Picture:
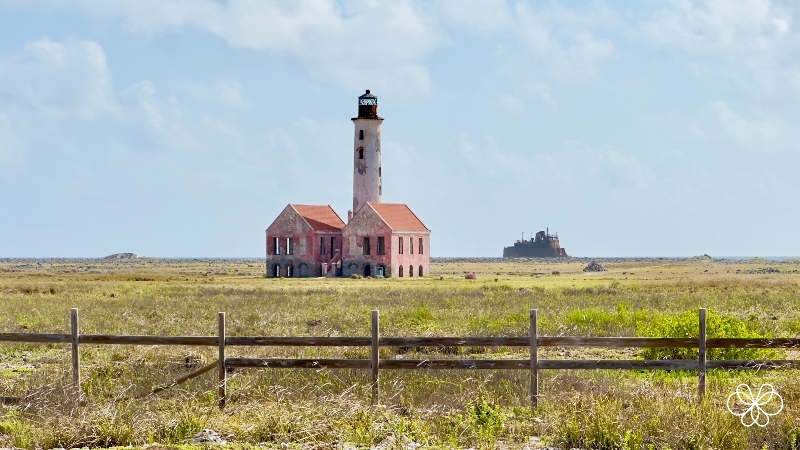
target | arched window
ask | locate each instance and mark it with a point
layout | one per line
(290, 271)
(411, 271)
(420, 271)
(360, 152)
(400, 274)
(276, 271)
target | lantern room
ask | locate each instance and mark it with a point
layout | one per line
(368, 106)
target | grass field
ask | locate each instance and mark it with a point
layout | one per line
(440, 409)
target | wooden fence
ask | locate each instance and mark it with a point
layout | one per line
(533, 341)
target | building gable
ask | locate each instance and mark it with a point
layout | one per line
(289, 221)
(366, 222)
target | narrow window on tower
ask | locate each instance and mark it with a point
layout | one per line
(380, 190)
(360, 135)
(379, 171)
(360, 152)
(322, 246)
(411, 246)
(289, 246)
(400, 245)
(276, 246)
(420, 250)
(366, 246)
(381, 245)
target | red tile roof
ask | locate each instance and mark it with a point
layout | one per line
(398, 216)
(320, 217)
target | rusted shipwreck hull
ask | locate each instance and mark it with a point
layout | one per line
(543, 245)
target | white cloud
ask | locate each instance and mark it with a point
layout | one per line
(750, 41)
(230, 92)
(512, 104)
(572, 165)
(143, 95)
(675, 124)
(562, 37)
(62, 79)
(765, 133)
(353, 42)
(227, 91)
(482, 16)
(561, 42)
(541, 90)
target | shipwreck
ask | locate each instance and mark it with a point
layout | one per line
(541, 245)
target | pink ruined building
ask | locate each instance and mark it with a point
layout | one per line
(379, 239)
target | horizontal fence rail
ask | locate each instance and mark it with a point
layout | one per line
(533, 341)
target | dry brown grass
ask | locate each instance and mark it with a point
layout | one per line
(585, 409)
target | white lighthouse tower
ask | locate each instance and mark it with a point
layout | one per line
(367, 185)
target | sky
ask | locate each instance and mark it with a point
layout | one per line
(181, 128)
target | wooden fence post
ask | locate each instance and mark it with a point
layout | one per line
(701, 356)
(534, 347)
(223, 382)
(375, 356)
(76, 365)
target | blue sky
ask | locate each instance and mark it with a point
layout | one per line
(183, 127)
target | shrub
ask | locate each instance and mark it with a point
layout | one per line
(488, 421)
(686, 325)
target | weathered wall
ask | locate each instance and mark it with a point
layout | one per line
(367, 184)
(307, 257)
(411, 259)
(368, 223)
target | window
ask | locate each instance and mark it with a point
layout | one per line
(360, 152)
(420, 246)
(400, 246)
(380, 190)
(360, 135)
(289, 246)
(379, 171)
(322, 246)
(381, 249)
(411, 271)
(333, 242)
(276, 246)
(277, 271)
(420, 271)
(366, 246)
(411, 246)
(400, 274)
(289, 271)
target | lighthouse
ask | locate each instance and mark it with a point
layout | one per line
(367, 185)
(379, 239)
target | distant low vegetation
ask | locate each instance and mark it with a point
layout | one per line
(440, 409)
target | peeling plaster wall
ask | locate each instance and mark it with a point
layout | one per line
(367, 184)
(365, 224)
(368, 223)
(307, 258)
